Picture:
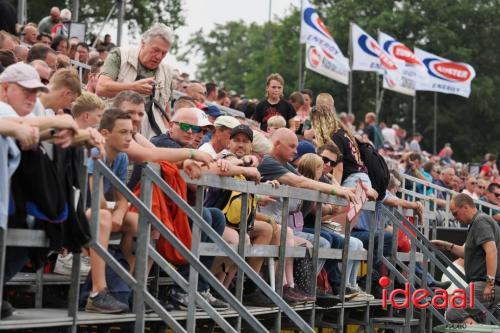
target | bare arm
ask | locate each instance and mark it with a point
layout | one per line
(139, 153)
(490, 250)
(292, 179)
(102, 200)
(454, 249)
(107, 87)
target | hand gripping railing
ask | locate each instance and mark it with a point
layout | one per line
(231, 254)
(430, 252)
(450, 193)
(138, 283)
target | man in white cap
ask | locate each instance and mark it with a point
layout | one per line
(221, 136)
(19, 85)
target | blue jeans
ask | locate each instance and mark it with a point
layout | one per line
(364, 236)
(215, 218)
(331, 266)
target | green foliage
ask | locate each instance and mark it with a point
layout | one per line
(139, 14)
(239, 56)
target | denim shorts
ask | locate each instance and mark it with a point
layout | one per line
(352, 180)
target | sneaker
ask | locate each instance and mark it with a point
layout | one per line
(290, 296)
(214, 302)
(176, 300)
(257, 298)
(361, 294)
(104, 302)
(64, 265)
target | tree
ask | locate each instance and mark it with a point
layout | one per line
(239, 56)
(139, 14)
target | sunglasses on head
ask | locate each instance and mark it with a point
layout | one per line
(186, 127)
(330, 162)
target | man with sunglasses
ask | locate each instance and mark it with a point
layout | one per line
(492, 196)
(482, 262)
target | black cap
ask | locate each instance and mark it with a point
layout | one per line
(242, 129)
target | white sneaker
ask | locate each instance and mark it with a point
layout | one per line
(64, 265)
(362, 295)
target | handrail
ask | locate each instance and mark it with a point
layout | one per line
(444, 189)
(424, 245)
(230, 253)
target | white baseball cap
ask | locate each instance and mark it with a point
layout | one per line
(226, 121)
(24, 75)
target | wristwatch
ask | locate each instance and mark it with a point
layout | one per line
(490, 279)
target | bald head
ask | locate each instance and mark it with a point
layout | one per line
(197, 91)
(285, 144)
(55, 12)
(186, 115)
(30, 34)
(21, 52)
(283, 135)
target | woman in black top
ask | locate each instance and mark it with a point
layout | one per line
(329, 129)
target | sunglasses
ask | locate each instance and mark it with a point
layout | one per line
(332, 163)
(482, 187)
(497, 195)
(186, 127)
(44, 81)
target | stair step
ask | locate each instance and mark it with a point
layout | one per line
(395, 321)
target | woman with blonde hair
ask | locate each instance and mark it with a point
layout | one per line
(311, 166)
(329, 129)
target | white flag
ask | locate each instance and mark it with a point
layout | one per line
(321, 62)
(407, 66)
(445, 76)
(323, 55)
(365, 51)
(369, 56)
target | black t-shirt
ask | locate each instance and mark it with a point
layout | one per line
(352, 158)
(482, 229)
(266, 110)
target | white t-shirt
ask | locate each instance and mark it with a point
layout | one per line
(389, 135)
(40, 111)
(209, 149)
(6, 111)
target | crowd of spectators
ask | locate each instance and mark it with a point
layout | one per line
(122, 111)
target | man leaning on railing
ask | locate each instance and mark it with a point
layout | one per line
(482, 262)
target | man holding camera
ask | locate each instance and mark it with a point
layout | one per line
(142, 70)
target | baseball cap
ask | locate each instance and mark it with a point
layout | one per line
(242, 129)
(304, 147)
(24, 75)
(203, 118)
(226, 121)
(213, 111)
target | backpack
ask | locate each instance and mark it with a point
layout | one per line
(118, 288)
(377, 167)
(230, 204)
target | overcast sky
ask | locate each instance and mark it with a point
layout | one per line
(206, 13)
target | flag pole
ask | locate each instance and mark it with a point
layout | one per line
(300, 49)
(435, 123)
(414, 114)
(377, 94)
(349, 87)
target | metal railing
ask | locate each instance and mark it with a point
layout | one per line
(431, 206)
(144, 250)
(420, 243)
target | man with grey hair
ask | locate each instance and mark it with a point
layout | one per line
(142, 70)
